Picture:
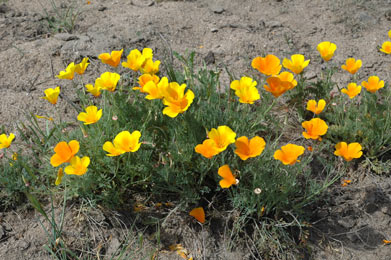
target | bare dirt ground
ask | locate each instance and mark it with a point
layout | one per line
(229, 33)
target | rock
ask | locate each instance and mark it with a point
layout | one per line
(210, 58)
(310, 75)
(113, 246)
(142, 3)
(2, 232)
(214, 29)
(371, 207)
(217, 9)
(4, 9)
(366, 19)
(102, 8)
(65, 37)
(273, 24)
(23, 245)
(346, 222)
(387, 14)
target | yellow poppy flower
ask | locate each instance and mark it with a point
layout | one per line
(108, 81)
(243, 82)
(248, 149)
(316, 107)
(60, 174)
(122, 143)
(113, 59)
(175, 99)
(289, 153)
(208, 148)
(296, 64)
(222, 136)
(64, 152)
(269, 65)
(150, 67)
(373, 84)
(326, 50)
(279, 84)
(52, 95)
(228, 178)
(94, 89)
(144, 79)
(5, 141)
(348, 152)
(136, 59)
(68, 73)
(77, 166)
(386, 47)
(154, 90)
(82, 66)
(352, 65)
(315, 128)
(91, 116)
(351, 90)
(198, 214)
(245, 89)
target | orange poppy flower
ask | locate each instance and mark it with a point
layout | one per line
(5, 141)
(315, 128)
(198, 214)
(278, 85)
(351, 90)
(144, 79)
(269, 65)
(352, 65)
(228, 178)
(316, 107)
(208, 148)
(348, 152)
(112, 59)
(247, 149)
(386, 47)
(289, 153)
(373, 84)
(64, 152)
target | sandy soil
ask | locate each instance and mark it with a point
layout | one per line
(222, 32)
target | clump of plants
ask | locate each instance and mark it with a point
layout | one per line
(180, 135)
